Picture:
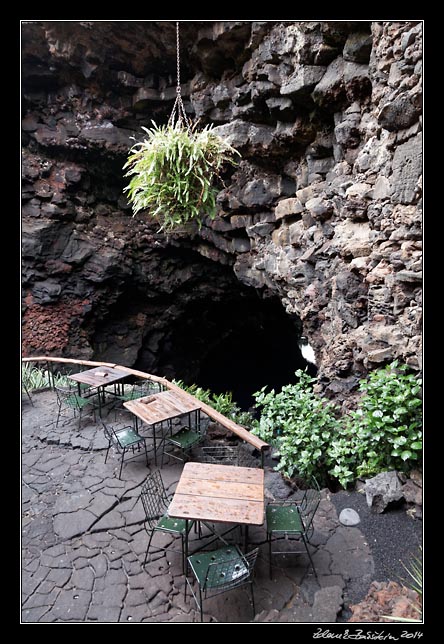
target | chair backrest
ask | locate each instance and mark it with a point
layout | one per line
(154, 498)
(111, 435)
(141, 388)
(225, 575)
(220, 454)
(67, 396)
(310, 503)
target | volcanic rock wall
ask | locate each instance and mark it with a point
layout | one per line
(323, 211)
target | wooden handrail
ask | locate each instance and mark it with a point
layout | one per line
(240, 431)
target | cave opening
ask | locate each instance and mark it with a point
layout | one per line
(239, 344)
(189, 318)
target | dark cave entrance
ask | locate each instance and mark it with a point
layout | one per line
(238, 344)
(198, 323)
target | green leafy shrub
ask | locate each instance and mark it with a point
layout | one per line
(300, 424)
(172, 173)
(313, 439)
(388, 421)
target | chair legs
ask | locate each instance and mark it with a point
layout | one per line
(309, 555)
(200, 602)
(184, 562)
(124, 450)
(147, 548)
(269, 552)
(269, 538)
(58, 416)
(252, 599)
(121, 462)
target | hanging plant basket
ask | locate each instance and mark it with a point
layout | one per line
(173, 171)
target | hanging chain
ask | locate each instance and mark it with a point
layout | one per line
(178, 59)
(178, 107)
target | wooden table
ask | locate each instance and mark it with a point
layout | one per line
(98, 377)
(219, 494)
(161, 407)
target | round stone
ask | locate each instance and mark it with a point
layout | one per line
(349, 517)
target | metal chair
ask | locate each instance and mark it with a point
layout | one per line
(68, 398)
(220, 454)
(124, 439)
(155, 501)
(139, 389)
(183, 440)
(219, 571)
(290, 519)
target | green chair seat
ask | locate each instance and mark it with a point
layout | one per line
(76, 401)
(284, 518)
(220, 571)
(123, 440)
(201, 562)
(293, 519)
(185, 438)
(132, 395)
(127, 436)
(168, 524)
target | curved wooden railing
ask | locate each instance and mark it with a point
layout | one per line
(240, 431)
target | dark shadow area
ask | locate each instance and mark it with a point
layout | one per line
(237, 345)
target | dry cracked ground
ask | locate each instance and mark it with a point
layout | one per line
(84, 541)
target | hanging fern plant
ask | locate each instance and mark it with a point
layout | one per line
(173, 172)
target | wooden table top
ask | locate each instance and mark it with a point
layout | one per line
(99, 376)
(220, 494)
(162, 406)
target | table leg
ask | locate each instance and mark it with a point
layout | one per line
(186, 548)
(246, 538)
(154, 441)
(99, 401)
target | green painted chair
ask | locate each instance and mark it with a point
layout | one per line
(155, 501)
(124, 440)
(288, 520)
(139, 389)
(68, 398)
(180, 444)
(220, 571)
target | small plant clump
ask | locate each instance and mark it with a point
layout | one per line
(223, 403)
(37, 378)
(173, 172)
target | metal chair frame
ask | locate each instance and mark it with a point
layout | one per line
(26, 391)
(220, 454)
(306, 510)
(155, 501)
(69, 398)
(115, 437)
(223, 575)
(172, 440)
